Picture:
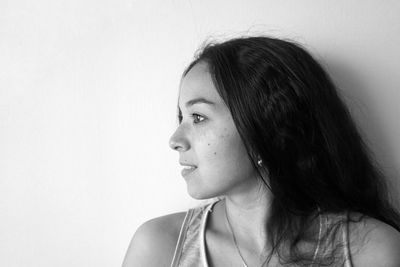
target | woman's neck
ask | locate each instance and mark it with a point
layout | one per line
(248, 216)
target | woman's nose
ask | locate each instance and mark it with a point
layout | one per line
(178, 142)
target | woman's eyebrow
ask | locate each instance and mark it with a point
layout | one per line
(199, 100)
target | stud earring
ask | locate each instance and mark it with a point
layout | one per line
(259, 162)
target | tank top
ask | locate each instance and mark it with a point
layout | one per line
(190, 249)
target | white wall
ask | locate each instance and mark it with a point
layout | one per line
(87, 104)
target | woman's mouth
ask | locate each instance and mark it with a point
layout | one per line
(188, 170)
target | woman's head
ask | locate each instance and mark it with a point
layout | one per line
(287, 112)
(280, 100)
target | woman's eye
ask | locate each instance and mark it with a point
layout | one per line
(197, 118)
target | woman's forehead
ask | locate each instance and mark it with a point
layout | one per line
(197, 84)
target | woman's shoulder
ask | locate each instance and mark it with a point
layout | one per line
(153, 243)
(373, 242)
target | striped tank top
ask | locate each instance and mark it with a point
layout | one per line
(190, 249)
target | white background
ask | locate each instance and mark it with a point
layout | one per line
(88, 92)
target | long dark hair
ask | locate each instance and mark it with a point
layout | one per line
(288, 111)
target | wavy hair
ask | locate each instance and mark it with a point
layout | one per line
(288, 112)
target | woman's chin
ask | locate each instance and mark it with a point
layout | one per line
(197, 193)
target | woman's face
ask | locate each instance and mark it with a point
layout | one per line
(207, 138)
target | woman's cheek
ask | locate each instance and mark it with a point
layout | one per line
(217, 146)
(212, 146)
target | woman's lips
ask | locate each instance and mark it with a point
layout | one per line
(188, 170)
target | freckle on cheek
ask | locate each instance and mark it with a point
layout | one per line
(215, 153)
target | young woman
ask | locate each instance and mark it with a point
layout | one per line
(263, 130)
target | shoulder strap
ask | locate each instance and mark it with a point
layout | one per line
(319, 237)
(347, 255)
(326, 248)
(181, 238)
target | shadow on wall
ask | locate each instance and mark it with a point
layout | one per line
(361, 105)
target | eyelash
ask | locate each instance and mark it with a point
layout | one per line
(193, 115)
